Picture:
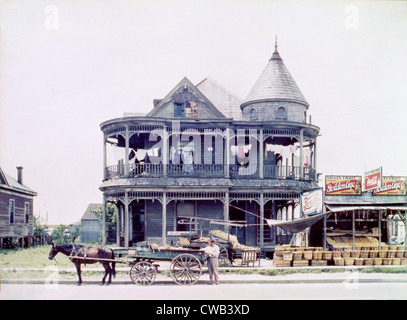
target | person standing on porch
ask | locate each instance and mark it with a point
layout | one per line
(212, 258)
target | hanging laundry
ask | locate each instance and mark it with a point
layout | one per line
(141, 154)
(241, 152)
(234, 150)
(306, 157)
(187, 159)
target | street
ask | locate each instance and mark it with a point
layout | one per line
(292, 291)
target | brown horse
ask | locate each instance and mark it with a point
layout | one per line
(90, 255)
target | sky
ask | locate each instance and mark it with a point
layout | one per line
(67, 66)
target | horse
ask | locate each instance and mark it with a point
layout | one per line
(91, 253)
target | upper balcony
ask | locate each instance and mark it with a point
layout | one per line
(152, 148)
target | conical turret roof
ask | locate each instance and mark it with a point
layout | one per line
(275, 84)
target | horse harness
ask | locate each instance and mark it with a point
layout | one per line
(84, 249)
(74, 253)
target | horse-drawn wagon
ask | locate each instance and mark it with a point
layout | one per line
(185, 264)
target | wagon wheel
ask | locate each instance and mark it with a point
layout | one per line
(143, 273)
(223, 253)
(185, 269)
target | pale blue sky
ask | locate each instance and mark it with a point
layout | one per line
(59, 79)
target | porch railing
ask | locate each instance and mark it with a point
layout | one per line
(196, 170)
(209, 171)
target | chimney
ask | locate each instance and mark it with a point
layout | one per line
(20, 175)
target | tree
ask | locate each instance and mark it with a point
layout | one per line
(111, 221)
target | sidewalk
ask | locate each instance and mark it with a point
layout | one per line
(266, 273)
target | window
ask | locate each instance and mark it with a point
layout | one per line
(26, 212)
(11, 210)
(281, 113)
(179, 110)
(253, 114)
(187, 109)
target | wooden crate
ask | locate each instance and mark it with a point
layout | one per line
(327, 255)
(339, 261)
(297, 255)
(282, 263)
(308, 255)
(319, 263)
(300, 263)
(287, 256)
(317, 255)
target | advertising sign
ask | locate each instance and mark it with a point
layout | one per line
(343, 185)
(373, 179)
(392, 186)
(312, 202)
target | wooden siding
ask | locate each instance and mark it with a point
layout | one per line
(19, 228)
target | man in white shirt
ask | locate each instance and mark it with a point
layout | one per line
(212, 258)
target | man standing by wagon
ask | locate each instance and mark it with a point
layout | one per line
(212, 258)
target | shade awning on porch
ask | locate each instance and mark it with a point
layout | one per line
(297, 225)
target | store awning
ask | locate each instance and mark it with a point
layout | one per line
(297, 225)
(338, 208)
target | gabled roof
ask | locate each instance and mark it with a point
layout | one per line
(90, 211)
(3, 179)
(225, 101)
(8, 182)
(275, 84)
(186, 85)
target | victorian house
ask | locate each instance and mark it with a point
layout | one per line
(201, 152)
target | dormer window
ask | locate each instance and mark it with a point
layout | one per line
(187, 109)
(179, 110)
(281, 113)
(253, 114)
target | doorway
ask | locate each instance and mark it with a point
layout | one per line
(138, 221)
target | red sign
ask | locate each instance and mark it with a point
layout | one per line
(343, 185)
(373, 179)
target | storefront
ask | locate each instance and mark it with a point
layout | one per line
(369, 218)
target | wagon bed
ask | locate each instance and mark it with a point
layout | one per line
(185, 267)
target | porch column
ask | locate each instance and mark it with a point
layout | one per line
(405, 227)
(165, 151)
(164, 219)
(126, 153)
(126, 219)
(226, 210)
(261, 219)
(104, 158)
(104, 221)
(301, 153)
(353, 229)
(261, 154)
(118, 225)
(380, 229)
(324, 233)
(227, 153)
